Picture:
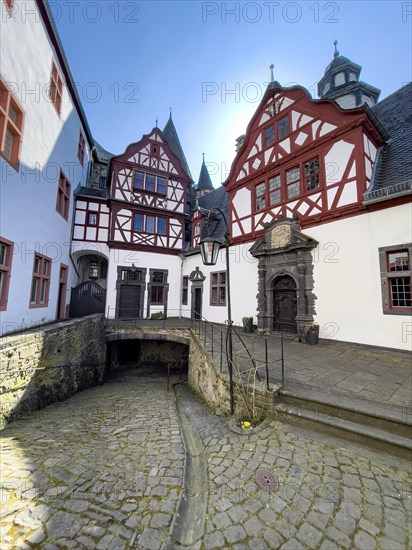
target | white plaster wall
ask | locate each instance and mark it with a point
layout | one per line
(145, 260)
(243, 284)
(28, 197)
(347, 278)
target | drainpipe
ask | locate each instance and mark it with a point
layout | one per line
(181, 285)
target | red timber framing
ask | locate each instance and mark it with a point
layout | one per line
(300, 157)
(91, 220)
(148, 197)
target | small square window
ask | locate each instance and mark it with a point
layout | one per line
(92, 218)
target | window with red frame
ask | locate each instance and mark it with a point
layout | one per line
(269, 135)
(9, 6)
(260, 196)
(56, 88)
(63, 196)
(218, 289)
(40, 286)
(283, 127)
(185, 290)
(6, 255)
(80, 150)
(11, 126)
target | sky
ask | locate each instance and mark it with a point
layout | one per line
(209, 62)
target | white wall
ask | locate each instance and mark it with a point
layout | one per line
(49, 142)
(243, 283)
(347, 278)
(145, 260)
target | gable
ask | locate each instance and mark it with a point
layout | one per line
(286, 123)
(152, 152)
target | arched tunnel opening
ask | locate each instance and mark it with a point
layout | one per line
(150, 356)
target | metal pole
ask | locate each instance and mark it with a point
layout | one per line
(283, 365)
(266, 362)
(229, 328)
(221, 350)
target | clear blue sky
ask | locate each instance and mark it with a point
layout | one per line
(210, 60)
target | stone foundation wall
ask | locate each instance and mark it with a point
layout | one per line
(212, 386)
(50, 364)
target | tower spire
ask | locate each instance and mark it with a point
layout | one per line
(336, 53)
(272, 77)
(170, 114)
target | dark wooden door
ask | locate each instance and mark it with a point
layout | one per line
(284, 304)
(61, 299)
(129, 301)
(198, 303)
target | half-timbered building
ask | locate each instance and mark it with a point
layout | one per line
(320, 214)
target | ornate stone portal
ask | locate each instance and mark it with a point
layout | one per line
(285, 289)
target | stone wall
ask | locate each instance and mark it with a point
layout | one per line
(50, 364)
(212, 386)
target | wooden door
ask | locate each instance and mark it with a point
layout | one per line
(284, 304)
(61, 298)
(129, 301)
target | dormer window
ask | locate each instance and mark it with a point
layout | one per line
(340, 79)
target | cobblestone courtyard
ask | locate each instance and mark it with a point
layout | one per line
(105, 469)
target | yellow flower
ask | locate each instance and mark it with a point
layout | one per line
(246, 424)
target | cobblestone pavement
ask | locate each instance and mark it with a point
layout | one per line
(105, 470)
(317, 491)
(98, 471)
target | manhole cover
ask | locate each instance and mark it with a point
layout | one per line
(267, 480)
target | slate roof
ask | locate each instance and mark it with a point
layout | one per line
(91, 192)
(218, 198)
(102, 155)
(170, 135)
(204, 181)
(392, 173)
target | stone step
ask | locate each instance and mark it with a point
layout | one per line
(381, 428)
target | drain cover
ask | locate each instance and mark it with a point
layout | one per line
(267, 480)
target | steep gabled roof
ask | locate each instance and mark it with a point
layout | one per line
(204, 181)
(170, 135)
(393, 169)
(103, 156)
(218, 198)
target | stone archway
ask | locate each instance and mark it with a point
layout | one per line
(285, 297)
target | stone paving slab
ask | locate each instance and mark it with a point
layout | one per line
(104, 470)
(363, 373)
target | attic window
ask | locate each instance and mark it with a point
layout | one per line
(269, 135)
(283, 127)
(260, 195)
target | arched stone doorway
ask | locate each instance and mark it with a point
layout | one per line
(284, 304)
